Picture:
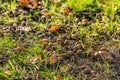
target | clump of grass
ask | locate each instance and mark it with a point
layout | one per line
(79, 5)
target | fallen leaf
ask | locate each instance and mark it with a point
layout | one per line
(118, 30)
(23, 3)
(8, 73)
(47, 14)
(45, 42)
(66, 10)
(60, 78)
(34, 60)
(35, 4)
(53, 59)
(52, 29)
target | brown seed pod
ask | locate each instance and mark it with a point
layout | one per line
(70, 53)
(78, 46)
(74, 36)
(79, 52)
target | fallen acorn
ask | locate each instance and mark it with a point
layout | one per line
(70, 53)
(74, 36)
(78, 46)
(79, 52)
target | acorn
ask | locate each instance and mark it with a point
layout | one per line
(79, 52)
(70, 53)
(78, 46)
(74, 36)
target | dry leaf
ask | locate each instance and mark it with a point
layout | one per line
(53, 59)
(52, 29)
(35, 4)
(23, 3)
(34, 60)
(45, 43)
(8, 73)
(47, 14)
(19, 47)
(66, 10)
(60, 78)
(118, 30)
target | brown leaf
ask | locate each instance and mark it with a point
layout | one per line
(53, 59)
(52, 29)
(8, 73)
(34, 60)
(35, 4)
(66, 10)
(23, 3)
(60, 78)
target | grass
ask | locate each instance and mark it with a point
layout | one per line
(24, 54)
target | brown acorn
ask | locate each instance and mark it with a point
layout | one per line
(74, 36)
(70, 53)
(79, 52)
(78, 46)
